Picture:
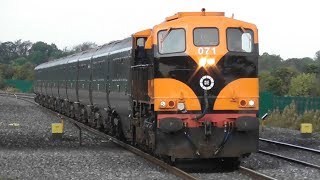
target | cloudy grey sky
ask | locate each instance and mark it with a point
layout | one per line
(287, 28)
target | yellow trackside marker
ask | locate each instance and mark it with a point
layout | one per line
(306, 129)
(57, 128)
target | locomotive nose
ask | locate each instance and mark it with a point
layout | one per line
(170, 124)
(247, 123)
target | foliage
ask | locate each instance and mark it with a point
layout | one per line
(312, 68)
(268, 62)
(290, 119)
(297, 63)
(276, 74)
(303, 85)
(24, 72)
(6, 71)
(265, 80)
(12, 50)
(2, 84)
(19, 61)
(317, 57)
(84, 47)
(41, 52)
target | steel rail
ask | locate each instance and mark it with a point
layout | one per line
(290, 145)
(130, 148)
(154, 160)
(254, 174)
(290, 159)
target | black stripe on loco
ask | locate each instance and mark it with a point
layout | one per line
(232, 66)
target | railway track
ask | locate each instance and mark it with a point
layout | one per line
(169, 168)
(289, 158)
(178, 172)
(290, 145)
(254, 174)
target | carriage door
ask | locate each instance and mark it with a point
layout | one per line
(141, 67)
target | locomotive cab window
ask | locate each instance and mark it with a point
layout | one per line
(172, 41)
(205, 37)
(239, 40)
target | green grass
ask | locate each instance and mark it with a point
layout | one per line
(289, 118)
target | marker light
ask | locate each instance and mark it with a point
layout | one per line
(171, 104)
(251, 103)
(181, 106)
(243, 102)
(202, 62)
(162, 104)
(211, 61)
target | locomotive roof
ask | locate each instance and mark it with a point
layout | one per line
(106, 49)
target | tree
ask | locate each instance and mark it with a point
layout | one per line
(276, 86)
(312, 68)
(19, 61)
(264, 81)
(303, 85)
(41, 52)
(24, 72)
(297, 63)
(2, 84)
(22, 48)
(317, 56)
(6, 71)
(282, 77)
(268, 62)
(84, 46)
(12, 50)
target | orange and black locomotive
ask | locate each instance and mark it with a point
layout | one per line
(185, 89)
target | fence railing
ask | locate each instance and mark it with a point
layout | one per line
(22, 85)
(269, 102)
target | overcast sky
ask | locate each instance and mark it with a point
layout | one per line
(287, 28)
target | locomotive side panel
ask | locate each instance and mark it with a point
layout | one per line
(84, 81)
(98, 82)
(55, 81)
(72, 68)
(119, 95)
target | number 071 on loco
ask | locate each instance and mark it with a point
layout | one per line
(185, 89)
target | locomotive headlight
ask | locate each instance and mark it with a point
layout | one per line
(181, 106)
(251, 103)
(202, 61)
(211, 61)
(162, 104)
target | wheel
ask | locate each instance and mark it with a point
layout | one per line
(117, 128)
(83, 115)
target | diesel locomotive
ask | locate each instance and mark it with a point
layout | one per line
(185, 89)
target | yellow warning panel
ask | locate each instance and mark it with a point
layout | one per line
(306, 128)
(57, 128)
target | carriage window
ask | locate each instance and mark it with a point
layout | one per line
(205, 37)
(239, 41)
(172, 41)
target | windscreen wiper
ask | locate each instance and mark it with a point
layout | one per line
(165, 36)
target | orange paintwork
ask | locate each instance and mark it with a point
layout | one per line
(184, 14)
(240, 89)
(189, 22)
(146, 34)
(166, 89)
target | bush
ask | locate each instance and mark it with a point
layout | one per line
(289, 118)
(2, 83)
